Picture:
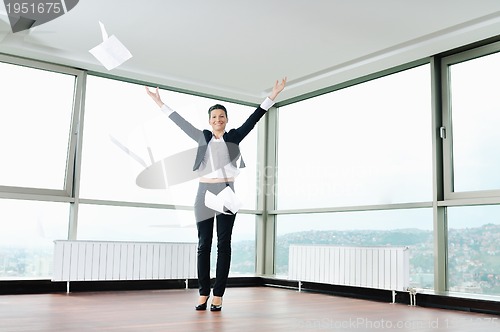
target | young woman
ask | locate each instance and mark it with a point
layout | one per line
(216, 163)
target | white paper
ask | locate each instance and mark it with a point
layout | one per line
(4, 30)
(111, 52)
(6, 23)
(214, 203)
(223, 201)
(104, 34)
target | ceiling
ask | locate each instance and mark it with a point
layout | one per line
(237, 49)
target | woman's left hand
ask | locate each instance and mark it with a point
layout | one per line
(278, 87)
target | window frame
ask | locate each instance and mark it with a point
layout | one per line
(471, 197)
(66, 194)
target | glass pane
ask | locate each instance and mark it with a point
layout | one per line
(474, 249)
(366, 144)
(35, 120)
(125, 131)
(475, 109)
(411, 228)
(26, 240)
(118, 223)
(242, 246)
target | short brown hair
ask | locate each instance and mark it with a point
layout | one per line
(217, 107)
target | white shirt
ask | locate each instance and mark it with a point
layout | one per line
(217, 159)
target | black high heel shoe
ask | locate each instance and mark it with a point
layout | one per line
(216, 307)
(202, 306)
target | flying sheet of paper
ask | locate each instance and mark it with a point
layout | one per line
(223, 201)
(4, 25)
(111, 52)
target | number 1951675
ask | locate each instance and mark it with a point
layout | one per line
(33, 8)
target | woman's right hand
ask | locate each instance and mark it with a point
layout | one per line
(155, 95)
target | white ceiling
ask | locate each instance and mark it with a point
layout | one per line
(237, 49)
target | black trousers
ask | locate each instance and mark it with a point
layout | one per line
(205, 218)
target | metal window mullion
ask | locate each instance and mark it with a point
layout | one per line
(74, 170)
(447, 141)
(441, 177)
(73, 138)
(265, 222)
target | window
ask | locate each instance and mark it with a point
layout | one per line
(473, 249)
(365, 144)
(475, 118)
(26, 240)
(242, 247)
(471, 118)
(120, 223)
(412, 228)
(35, 123)
(125, 132)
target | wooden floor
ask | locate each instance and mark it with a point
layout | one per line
(244, 309)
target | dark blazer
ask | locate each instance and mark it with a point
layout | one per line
(232, 138)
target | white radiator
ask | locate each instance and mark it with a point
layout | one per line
(371, 267)
(96, 260)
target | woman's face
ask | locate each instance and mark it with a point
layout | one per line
(218, 120)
